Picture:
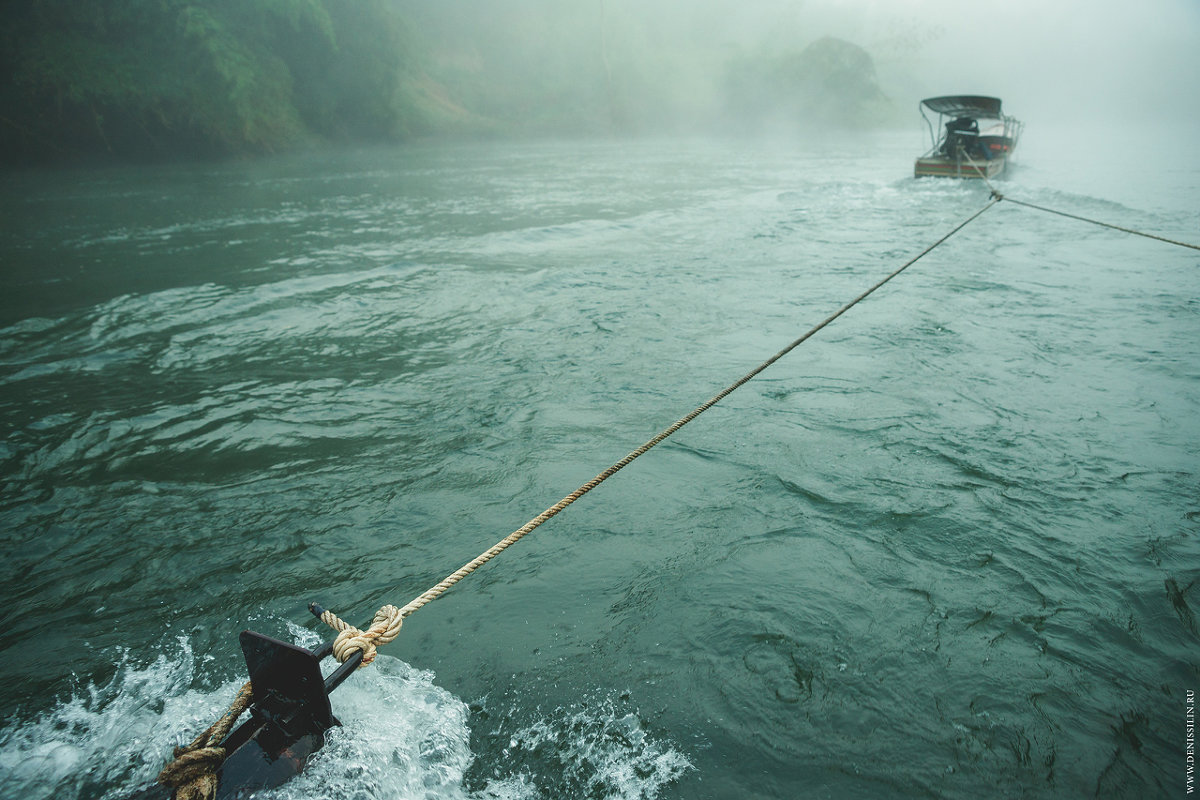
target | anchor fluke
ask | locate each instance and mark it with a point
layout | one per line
(289, 713)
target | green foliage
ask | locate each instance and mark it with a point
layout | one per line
(353, 90)
(148, 78)
(141, 77)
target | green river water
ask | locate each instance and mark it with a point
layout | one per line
(949, 547)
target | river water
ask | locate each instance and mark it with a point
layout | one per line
(948, 547)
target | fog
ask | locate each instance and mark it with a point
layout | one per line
(1049, 60)
(1089, 61)
(143, 79)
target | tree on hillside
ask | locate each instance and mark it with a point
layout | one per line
(134, 77)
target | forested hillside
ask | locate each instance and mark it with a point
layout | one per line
(147, 79)
(166, 77)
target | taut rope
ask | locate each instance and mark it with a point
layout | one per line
(193, 771)
(386, 625)
(1095, 222)
(980, 168)
(380, 627)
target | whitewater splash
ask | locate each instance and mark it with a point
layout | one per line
(401, 737)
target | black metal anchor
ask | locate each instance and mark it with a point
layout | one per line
(289, 715)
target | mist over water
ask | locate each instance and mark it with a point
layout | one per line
(672, 66)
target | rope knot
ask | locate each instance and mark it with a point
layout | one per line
(193, 773)
(350, 640)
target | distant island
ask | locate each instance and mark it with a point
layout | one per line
(168, 79)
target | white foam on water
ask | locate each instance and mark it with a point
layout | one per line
(110, 735)
(402, 737)
(599, 750)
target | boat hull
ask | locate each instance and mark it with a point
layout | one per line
(943, 167)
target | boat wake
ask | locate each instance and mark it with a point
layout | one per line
(402, 737)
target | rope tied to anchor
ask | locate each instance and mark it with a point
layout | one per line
(192, 773)
(384, 628)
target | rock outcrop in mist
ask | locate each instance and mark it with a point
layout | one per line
(830, 82)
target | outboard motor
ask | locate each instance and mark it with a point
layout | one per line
(962, 136)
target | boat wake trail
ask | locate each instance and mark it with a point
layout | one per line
(401, 737)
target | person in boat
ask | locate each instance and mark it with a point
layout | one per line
(963, 133)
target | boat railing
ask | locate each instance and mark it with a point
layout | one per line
(1011, 131)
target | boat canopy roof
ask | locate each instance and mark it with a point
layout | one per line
(963, 105)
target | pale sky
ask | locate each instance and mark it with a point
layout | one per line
(1082, 57)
